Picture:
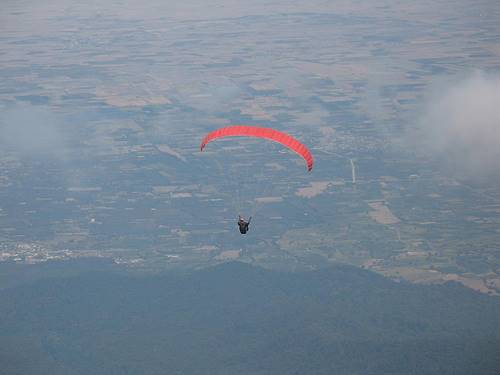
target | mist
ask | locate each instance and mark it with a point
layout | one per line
(461, 126)
(32, 131)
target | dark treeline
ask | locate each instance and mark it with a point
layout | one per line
(240, 319)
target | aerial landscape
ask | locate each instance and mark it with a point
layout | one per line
(103, 106)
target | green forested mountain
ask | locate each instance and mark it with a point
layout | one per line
(239, 319)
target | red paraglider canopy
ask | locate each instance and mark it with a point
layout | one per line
(260, 132)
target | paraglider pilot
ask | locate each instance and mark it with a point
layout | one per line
(243, 225)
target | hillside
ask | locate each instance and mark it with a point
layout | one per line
(240, 319)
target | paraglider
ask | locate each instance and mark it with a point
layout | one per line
(260, 132)
(265, 133)
(243, 225)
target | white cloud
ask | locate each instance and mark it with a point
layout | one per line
(462, 125)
